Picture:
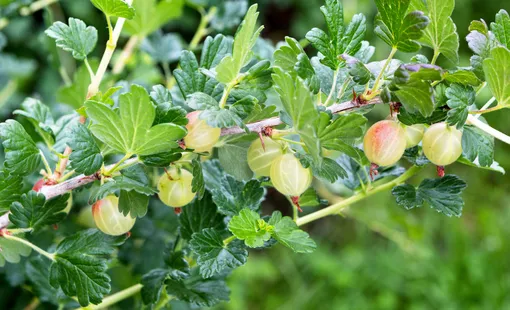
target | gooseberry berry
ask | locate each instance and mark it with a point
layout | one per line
(385, 142)
(109, 219)
(414, 134)
(289, 177)
(201, 137)
(442, 144)
(175, 188)
(260, 157)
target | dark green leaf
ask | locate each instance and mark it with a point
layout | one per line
(86, 156)
(201, 214)
(76, 37)
(399, 28)
(161, 159)
(497, 73)
(459, 99)
(163, 48)
(478, 145)
(40, 116)
(197, 184)
(213, 255)
(443, 195)
(22, 156)
(232, 196)
(234, 160)
(360, 74)
(133, 203)
(411, 118)
(10, 189)
(80, 265)
(33, 211)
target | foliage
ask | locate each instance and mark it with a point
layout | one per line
(117, 133)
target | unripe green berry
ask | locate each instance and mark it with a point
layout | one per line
(385, 142)
(414, 134)
(109, 219)
(201, 137)
(289, 177)
(260, 158)
(442, 144)
(175, 188)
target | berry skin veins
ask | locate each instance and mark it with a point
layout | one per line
(260, 158)
(442, 144)
(175, 189)
(385, 142)
(109, 219)
(289, 177)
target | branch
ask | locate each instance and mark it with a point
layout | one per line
(275, 121)
(107, 56)
(472, 120)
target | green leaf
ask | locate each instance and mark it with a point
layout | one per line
(161, 160)
(495, 167)
(163, 48)
(234, 160)
(411, 118)
(481, 44)
(345, 128)
(80, 265)
(213, 255)
(153, 284)
(298, 104)
(38, 272)
(232, 196)
(398, 28)
(134, 178)
(248, 226)
(76, 37)
(477, 146)
(118, 8)
(339, 39)
(443, 195)
(166, 111)
(459, 99)
(244, 40)
(497, 73)
(152, 15)
(441, 33)
(464, 77)
(229, 15)
(201, 214)
(288, 233)
(133, 203)
(86, 156)
(40, 116)
(33, 211)
(11, 187)
(198, 291)
(12, 251)
(359, 72)
(501, 28)
(291, 57)
(480, 26)
(329, 169)
(413, 87)
(14, 67)
(197, 184)
(22, 156)
(132, 131)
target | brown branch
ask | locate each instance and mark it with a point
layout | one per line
(275, 121)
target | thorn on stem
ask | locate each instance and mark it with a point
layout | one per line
(262, 141)
(295, 201)
(440, 171)
(373, 171)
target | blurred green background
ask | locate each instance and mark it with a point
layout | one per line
(375, 256)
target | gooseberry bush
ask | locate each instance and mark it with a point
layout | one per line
(235, 116)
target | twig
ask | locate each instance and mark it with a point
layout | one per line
(275, 121)
(131, 44)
